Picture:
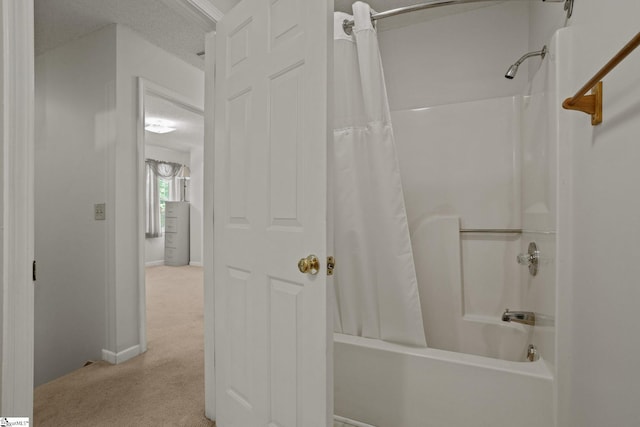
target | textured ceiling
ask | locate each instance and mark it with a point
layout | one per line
(160, 21)
(189, 126)
(60, 21)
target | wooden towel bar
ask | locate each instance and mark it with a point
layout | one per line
(592, 104)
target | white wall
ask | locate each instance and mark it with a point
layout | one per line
(456, 58)
(154, 247)
(136, 58)
(457, 130)
(75, 107)
(598, 329)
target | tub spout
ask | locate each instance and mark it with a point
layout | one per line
(525, 317)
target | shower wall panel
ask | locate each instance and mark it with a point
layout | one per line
(456, 120)
(463, 161)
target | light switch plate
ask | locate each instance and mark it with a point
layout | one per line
(99, 211)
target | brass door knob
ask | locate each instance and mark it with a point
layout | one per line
(310, 265)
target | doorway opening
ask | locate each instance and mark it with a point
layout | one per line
(170, 175)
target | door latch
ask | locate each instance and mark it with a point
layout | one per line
(331, 265)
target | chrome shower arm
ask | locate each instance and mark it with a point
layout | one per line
(513, 70)
(526, 56)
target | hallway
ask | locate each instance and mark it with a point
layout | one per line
(164, 386)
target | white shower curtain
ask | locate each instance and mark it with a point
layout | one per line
(376, 289)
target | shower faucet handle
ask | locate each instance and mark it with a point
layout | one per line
(525, 259)
(531, 258)
(524, 317)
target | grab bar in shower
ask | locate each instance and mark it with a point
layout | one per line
(592, 104)
(492, 230)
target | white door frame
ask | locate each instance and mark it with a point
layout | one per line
(145, 87)
(18, 95)
(207, 228)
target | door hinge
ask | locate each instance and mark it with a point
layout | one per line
(34, 271)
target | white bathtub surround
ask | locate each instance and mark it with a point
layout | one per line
(376, 285)
(540, 147)
(385, 384)
(462, 159)
(460, 166)
(456, 312)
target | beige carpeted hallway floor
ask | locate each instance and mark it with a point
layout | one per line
(163, 387)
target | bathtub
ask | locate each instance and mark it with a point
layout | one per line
(382, 384)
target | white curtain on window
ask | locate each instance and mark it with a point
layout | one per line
(154, 171)
(376, 288)
(175, 189)
(152, 203)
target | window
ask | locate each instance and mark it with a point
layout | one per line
(164, 187)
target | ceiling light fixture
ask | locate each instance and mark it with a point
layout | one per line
(159, 126)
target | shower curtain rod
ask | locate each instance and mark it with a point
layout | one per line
(347, 25)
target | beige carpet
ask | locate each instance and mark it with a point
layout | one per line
(163, 387)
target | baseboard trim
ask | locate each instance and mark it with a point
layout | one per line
(195, 264)
(154, 263)
(122, 356)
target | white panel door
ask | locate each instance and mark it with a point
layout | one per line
(273, 335)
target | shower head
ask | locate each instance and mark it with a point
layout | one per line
(511, 72)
